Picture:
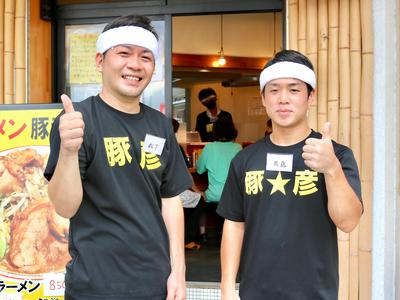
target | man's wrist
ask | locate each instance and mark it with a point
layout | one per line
(334, 170)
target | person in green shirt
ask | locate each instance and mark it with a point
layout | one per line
(215, 159)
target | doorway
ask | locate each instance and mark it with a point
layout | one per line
(246, 41)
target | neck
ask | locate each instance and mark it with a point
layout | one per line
(289, 136)
(214, 111)
(127, 105)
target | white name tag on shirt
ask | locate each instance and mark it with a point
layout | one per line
(279, 162)
(153, 144)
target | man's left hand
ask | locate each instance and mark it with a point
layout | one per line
(318, 154)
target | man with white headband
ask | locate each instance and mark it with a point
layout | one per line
(286, 195)
(115, 169)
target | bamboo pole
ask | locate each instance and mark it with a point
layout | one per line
(365, 240)
(312, 31)
(354, 265)
(322, 62)
(333, 68)
(9, 11)
(343, 247)
(355, 77)
(365, 243)
(344, 73)
(20, 52)
(1, 51)
(312, 52)
(355, 138)
(293, 24)
(366, 122)
(367, 61)
(365, 276)
(302, 33)
(366, 146)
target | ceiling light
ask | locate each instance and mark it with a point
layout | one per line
(221, 61)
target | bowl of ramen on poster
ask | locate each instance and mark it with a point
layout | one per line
(33, 237)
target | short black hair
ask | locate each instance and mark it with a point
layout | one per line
(292, 56)
(132, 20)
(224, 130)
(204, 93)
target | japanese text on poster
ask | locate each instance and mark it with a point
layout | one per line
(33, 238)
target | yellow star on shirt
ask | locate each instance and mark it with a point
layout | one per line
(278, 184)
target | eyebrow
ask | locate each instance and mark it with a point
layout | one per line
(145, 50)
(292, 84)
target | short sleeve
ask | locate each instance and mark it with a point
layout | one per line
(54, 149)
(231, 205)
(176, 177)
(350, 169)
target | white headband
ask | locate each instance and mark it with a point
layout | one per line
(127, 35)
(287, 69)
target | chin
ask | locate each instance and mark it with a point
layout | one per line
(129, 93)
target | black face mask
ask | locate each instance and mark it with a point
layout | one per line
(211, 104)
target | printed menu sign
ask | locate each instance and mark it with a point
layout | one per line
(82, 63)
(33, 238)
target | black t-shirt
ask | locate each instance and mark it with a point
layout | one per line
(118, 240)
(204, 125)
(290, 243)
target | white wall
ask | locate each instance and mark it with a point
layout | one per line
(246, 35)
(385, 246)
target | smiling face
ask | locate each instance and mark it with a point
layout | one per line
(126, 72)
(286, 101)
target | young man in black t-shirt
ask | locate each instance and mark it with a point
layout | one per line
(116, 171)
(286, 195)
(206, 119)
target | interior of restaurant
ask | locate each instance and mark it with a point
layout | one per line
(246, 41)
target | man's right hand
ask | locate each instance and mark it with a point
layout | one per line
(71, 126)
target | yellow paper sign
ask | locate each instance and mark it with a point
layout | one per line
(82, 51)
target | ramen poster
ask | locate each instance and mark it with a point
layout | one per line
(33, 238)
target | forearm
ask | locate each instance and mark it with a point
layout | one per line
(172, 213)
(231, 247)
(65, 186)
(344, 207)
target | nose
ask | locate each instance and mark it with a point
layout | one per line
(284, 96)
(134, 62)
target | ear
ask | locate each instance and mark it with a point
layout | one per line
(99, 61)
(311, 97)
(262, 94)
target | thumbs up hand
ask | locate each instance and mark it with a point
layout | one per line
(318, 154)
(71, 127)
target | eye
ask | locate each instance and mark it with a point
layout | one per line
(122, 52)
(147, 57)
(295, 90)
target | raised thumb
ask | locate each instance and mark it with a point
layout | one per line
(326, 131)
(67, 104)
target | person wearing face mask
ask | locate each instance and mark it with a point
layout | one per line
(206, 119)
